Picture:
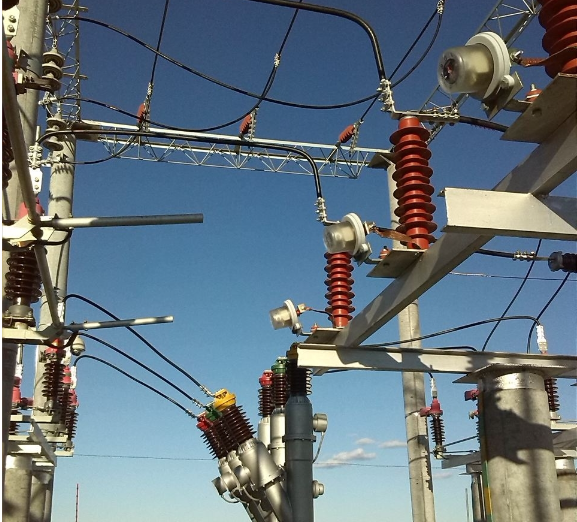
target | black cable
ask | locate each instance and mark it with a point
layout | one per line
(514, 297)
(485, 124)
(415, 42)
(423, 56)
(133, 331)
(160, 34)
(151, 388)
(139, 363)
(341, 14)
(509, 255)
(214, 80)
(451, 330)
(213, 139)
(544, 309)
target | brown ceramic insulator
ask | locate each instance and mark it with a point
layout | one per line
(52, 383)
(280, 389)
(237, 425)
(340, 284)
(300, 379)
(552, 394)
(265, 402)
(215, 442)
(414, 189)
(559, 19)
(71, 421)
(23, 278)
(438, 430)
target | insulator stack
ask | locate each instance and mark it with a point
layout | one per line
(438, 431)
(265, 402)
(414, 189)
(211, 437)
(565, 262)
(280, 384)
(236, 424)
(300, 380)
(23, 278)
(52, 385)
(71, 415)
(16, 400)
(340, 284)
(347, 134)
(559, 19)
(52, 68)
(246, 124)
(7, 153)
(552, 394)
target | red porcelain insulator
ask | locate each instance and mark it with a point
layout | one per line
(559, 19)
(347, 134)
(414, 189)
(340, 284)
(245, 124)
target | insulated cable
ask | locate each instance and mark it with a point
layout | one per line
(528, 273)
(144, 340)
(214, 80)
(341, 14)
(451, 330)
(145, 367)
(545, 308)
(151, 388)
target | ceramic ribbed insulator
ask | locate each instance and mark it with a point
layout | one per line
(559, 19)
(414, 189)
(340, 285)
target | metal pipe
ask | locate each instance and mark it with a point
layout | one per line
(120, 323)
(122, 221)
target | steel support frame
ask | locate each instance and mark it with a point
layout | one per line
(551, 163)
(505, 214)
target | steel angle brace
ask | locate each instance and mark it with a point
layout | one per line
(435, 360)
(510, 214)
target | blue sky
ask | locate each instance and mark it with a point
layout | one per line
(260, 244)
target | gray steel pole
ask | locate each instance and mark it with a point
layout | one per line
(477, 504)
(420, 479)
(517, 447)
(567, 481)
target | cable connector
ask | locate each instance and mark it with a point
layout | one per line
(386, 96)
(441, 6)
(321, 210)
(541, 341)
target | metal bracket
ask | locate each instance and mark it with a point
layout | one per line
(10, 19)
(34, 443)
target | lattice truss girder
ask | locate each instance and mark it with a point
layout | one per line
(186, 148)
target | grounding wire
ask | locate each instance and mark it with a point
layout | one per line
(219, 141)
(455, 329)
(545, 308)
(214, 80)
(151, 388)
(144, 366)
(513, 299)
(143, 339)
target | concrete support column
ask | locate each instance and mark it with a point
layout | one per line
(517, 447)
(567, 481)
(16, 502)
(40, 478)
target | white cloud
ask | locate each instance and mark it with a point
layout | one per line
(345, 457)
(442, 475)
(394, 443)
(365, 441)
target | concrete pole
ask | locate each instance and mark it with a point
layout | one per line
(477, 504)
(60, 204)
(517, 447)
(420, 479)
(17, 489)
(40, 479)
(567, 480)
(29, 43)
